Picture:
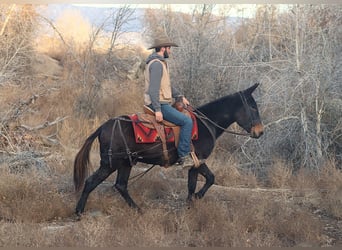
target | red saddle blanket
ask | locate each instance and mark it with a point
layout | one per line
(144, 134)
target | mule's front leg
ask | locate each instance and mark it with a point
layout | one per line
(192, 183)
(209, 180)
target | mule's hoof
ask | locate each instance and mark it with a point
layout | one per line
(138, 209)
(77, 216)
(189, 202)
(198, 196)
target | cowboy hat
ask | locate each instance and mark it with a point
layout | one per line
(162, 42)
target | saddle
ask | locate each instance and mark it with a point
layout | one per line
(148, 130)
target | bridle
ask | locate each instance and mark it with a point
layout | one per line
(203, 117)
(248, 109)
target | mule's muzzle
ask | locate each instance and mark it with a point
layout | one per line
(257, 131)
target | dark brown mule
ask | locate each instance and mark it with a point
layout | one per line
(120, 152)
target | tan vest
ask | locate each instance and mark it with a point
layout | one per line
(165, 93)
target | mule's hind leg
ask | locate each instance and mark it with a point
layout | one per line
(121, 185)
(90, 184)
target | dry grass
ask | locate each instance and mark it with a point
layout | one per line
(243, 220)
(228, 173)
(330, 186)
(279, 175)
(29, 198)
(37, 209)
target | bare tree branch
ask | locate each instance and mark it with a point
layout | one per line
(44, 125)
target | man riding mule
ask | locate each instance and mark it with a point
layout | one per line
(159, 94)
(119, 150)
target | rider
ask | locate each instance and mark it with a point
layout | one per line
(159, 93)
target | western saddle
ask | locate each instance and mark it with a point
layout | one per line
(151, 122)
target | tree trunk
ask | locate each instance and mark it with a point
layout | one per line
(297, 40)
(7, 19)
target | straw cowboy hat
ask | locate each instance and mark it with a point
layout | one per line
(162, 42)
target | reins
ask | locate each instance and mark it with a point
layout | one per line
(142, 173)
(201, 116)
(197, 113)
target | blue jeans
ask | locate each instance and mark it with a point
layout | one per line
(172, 115)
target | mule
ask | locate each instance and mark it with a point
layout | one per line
(119, 150)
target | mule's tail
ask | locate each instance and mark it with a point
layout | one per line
(82, 160)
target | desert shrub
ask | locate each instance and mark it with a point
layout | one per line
(329, 186)
(279, 174)
(30, 197)
(16, 43)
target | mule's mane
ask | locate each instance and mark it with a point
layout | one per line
(217, 104)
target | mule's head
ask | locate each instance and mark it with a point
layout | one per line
(248, 115)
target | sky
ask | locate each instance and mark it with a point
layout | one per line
(236, 10)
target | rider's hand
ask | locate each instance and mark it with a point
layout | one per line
(159, 116)
(185, 101)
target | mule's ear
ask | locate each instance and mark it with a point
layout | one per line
(252, 88)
